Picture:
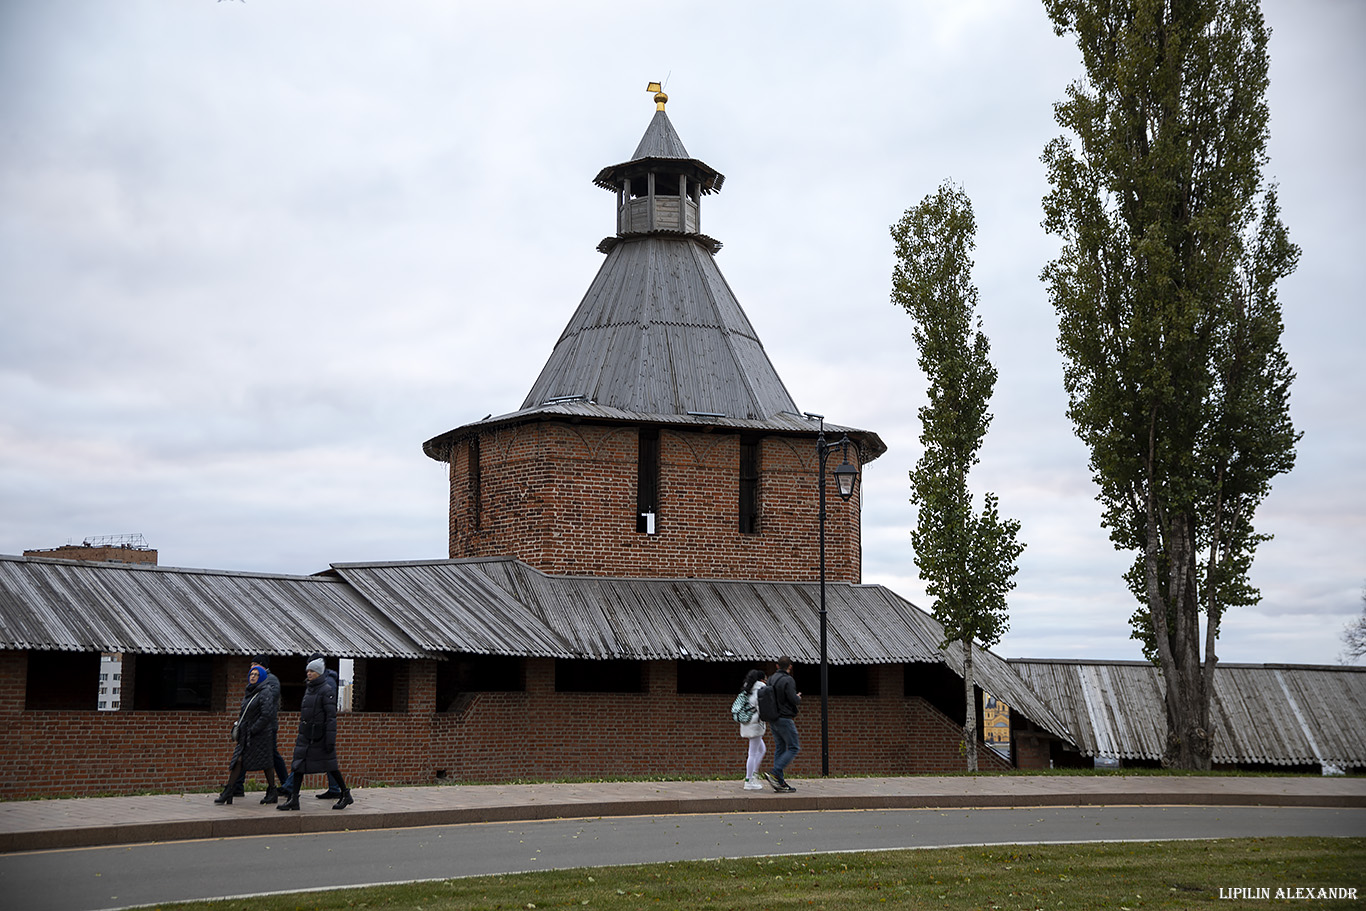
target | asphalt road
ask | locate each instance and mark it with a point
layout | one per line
(131, 875)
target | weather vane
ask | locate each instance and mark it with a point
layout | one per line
(660, 98)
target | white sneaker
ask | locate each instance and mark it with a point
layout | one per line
(753, 784)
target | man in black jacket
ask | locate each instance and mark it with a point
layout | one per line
(786, 742)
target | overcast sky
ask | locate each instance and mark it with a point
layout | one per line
(253, 254)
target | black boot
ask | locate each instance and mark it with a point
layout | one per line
(226, 796)
(344, 801)
(292, 803)
(272, 794)
(329, 794)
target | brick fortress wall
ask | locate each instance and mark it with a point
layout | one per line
(538, 733)
(562, 498)
(544, 734)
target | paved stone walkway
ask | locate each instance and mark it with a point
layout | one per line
(39, 824)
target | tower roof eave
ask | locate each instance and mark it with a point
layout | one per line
(576, 409)
(661, 146)
(707, 177)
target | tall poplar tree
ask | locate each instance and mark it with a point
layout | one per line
(1169, 324)
(966, 559)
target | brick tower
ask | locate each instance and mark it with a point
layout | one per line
(658, 440)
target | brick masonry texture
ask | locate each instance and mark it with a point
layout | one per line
(562, 498)
(538, 734)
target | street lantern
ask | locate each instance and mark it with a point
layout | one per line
(846, 476)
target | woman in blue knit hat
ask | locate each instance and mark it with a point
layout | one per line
(254, 736)
(315, 749)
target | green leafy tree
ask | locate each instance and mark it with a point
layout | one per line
(1169, 324)
(966, 559)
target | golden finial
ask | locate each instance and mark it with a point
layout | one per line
(660, 98)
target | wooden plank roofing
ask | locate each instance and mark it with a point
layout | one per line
(661, 145)
(447, 604)
(1260, 713)
(68, 605)
(660, 332)
(660, 140)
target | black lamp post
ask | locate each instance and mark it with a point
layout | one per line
(845, 477)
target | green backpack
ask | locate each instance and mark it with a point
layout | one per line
(741, 710)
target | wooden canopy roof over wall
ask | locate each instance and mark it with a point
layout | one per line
(493, 606)
(78, 606)
(1275, 714)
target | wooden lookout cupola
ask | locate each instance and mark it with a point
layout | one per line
(661, 187)
(658, 439)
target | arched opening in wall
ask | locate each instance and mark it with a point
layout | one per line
(610, 675)
(462, 674)
(62, 682)
(169, 682)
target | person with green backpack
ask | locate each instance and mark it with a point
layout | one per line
(779, 708)
(745, 710)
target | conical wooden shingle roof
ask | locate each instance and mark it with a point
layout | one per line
(659, 331)
(661, 144)
(660, 338)
(660, 140)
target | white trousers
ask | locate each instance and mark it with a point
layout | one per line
(757, 749)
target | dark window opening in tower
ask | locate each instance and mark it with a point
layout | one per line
(666, 184)
(476, 485)
(647, 481)
(749, 485)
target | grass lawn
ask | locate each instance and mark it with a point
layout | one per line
(1149, 875)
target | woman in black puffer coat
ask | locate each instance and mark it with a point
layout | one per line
(315, 749)
(257, 722)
